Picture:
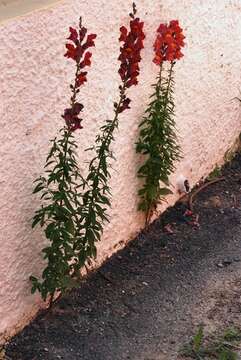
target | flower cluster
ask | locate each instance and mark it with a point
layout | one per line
(169, 42)
(77, 48)
(130, 55)
(71, 116)
(76, 51)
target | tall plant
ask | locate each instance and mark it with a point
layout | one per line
(60, 214)
(157, 137)
(75, 208)
(97, 197)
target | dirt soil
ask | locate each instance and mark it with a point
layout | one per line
(148, 299)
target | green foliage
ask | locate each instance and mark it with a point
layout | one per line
(215, 173)
(232, 334)
(96, 198)
(222, 347)
(158, 143)
(59, 215)
(74, 208)
(198, 339)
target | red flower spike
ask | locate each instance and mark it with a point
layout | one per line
(130, 52)
(168, 43)
(77, 52)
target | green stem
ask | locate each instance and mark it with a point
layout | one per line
(168, 84)
(158, 92)
(112, 127)
(101, 155)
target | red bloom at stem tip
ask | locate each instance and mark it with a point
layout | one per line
(168, 43)
(76, 50)
(130, 52)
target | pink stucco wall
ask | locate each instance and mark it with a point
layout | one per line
(34, 90)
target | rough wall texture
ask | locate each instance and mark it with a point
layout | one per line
(34, 90)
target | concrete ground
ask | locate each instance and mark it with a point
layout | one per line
(148, 299)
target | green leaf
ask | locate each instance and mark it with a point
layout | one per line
(38, 188)
(165, 191)
(70, 226)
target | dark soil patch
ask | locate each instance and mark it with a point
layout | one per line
(139, 305)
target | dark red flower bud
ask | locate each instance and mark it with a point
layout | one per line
(82, 33)
(71, 118)
(125, 105)
(77, 108)
(124, 32)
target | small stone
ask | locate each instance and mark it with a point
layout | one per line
(215, 201)
(224, 263)
(227, 262)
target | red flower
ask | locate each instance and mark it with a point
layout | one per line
(89, 41)
(125, 105)
(130, 52)
(81, 78)
(73, 35)
(86, 61)
(72, 52)
(124, 32)
(71, 118)
(168, 43)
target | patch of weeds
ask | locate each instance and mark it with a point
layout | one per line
(215, 173)
(232, 334)
(229, 155)
(221, 347)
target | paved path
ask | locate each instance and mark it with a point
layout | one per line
(146, 301)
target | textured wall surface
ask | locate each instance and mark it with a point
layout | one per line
(34, 90)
